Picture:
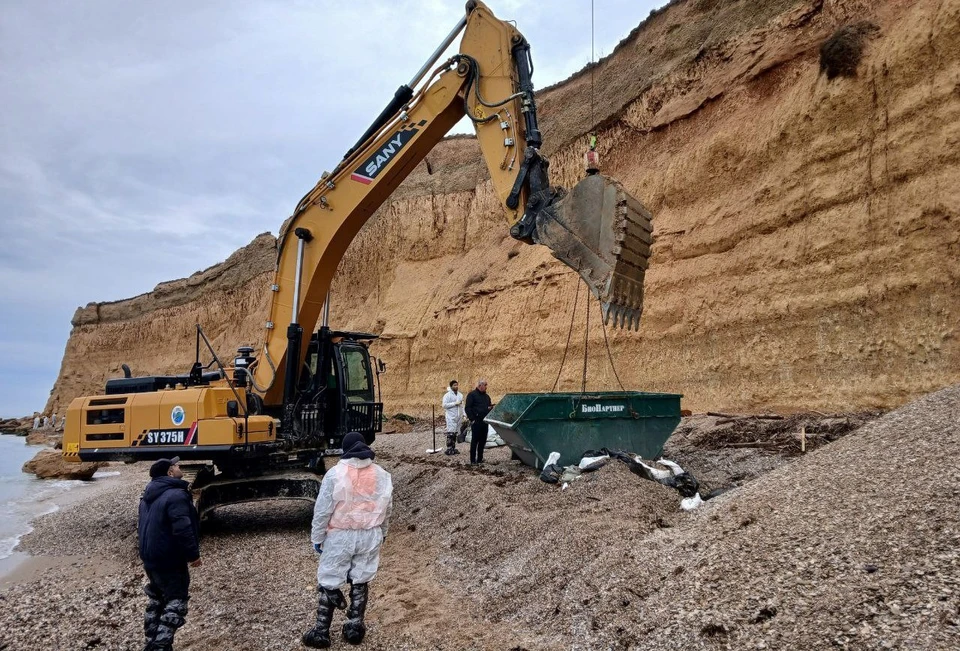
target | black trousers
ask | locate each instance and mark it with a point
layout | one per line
(170, 584)
(478, 439)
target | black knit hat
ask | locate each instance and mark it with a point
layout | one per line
(355, 447)
(162, 466)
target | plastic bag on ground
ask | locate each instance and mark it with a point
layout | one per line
(551, 471)
(570, 473)
(493, 439)
(676, 477)
(592, 463)
(690, 503)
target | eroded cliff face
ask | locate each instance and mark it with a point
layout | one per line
(155, 333)
(807, 239)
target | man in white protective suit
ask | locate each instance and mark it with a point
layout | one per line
(453, 408)
(350, 521)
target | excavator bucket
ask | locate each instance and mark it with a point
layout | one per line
(604, 234)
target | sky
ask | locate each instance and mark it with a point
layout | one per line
(143, 141)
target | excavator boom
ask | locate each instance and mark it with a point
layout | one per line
(597, 228)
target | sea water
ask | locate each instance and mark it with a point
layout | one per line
(23, 497)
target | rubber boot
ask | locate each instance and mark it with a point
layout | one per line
(151, 617)
(318, 637)
(173, 617)
(451, 445)
(354, 629)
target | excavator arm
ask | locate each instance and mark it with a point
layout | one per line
(597, 229)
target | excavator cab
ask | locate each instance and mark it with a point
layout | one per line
(337, 393)
(361, 410)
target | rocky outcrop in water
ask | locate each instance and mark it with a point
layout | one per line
(49, 464)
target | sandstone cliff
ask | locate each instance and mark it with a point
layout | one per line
(807, 238)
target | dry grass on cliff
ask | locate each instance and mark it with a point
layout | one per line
(841, 53)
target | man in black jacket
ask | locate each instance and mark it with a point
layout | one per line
(477, 407)
(169, 533)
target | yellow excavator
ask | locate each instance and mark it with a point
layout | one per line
(278, 410)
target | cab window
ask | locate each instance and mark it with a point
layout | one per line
(356, 368)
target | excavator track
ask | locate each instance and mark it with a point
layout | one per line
(605, 234)
(212, 490)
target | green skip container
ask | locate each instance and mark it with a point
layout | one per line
(536, 424)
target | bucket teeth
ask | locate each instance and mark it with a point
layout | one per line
(622, 317)
(605, 235)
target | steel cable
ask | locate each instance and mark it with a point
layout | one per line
(566, 348)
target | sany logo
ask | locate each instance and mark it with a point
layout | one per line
(601, 409)
(392, 147)
(371, 167)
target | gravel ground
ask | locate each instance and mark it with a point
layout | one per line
(854, 545)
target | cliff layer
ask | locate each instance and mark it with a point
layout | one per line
(806, 231)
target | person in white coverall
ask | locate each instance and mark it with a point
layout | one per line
(453, 406)
(350, 521)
